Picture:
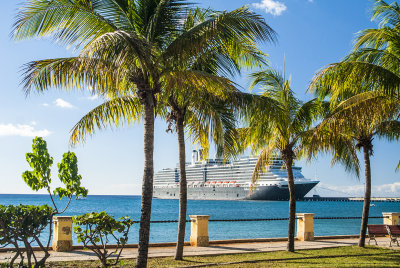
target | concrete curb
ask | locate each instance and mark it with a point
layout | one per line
(213, 242)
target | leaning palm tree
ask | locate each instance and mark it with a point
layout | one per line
(351, 126)
(278, 131)
(129, 48)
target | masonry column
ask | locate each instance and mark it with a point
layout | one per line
(199, 230)
(62, 233)
(391, 218)
(305, 226)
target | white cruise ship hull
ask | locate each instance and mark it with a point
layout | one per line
(272, 192)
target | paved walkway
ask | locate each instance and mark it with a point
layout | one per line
(211, 250)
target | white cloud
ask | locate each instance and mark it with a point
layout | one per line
(271, 6)
(384, 190)
(392, 188)
(93, 97)
(310, 1)
(45, 104)
(22, 130)
(63, 104)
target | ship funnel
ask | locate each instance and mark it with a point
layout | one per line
(194, 157)
(200, 154)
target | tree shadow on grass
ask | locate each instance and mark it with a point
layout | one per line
(300, 259)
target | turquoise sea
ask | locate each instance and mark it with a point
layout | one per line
(120, 206)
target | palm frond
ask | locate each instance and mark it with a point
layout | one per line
(75, 73)
(70, 22)
(345, 79)
(112, 113)
(387, 14)
(212, 34)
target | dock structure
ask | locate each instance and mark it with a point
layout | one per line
(351, 199)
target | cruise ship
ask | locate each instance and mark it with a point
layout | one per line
(214, 179)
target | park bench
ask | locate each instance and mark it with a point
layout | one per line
(394, 233)
(376, 230)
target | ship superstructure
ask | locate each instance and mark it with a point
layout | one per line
(218, 180)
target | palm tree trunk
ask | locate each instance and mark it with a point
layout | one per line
(182, 189)
(367, 197)
(147, 183)
(292, 206)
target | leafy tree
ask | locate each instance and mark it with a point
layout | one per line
(95, 230)
(40, 177)
(279, 129)
(130, 51)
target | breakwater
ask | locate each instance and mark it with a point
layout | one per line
(351, 199)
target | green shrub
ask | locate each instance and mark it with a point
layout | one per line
(24, 224)
(95, 230)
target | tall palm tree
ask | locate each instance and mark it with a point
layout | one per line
(207, 115)
(204, 116)
(351, 126)
(372, 66)
(130, 49)
(278, 131)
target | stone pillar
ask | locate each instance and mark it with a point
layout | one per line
(391, 218)
(305, 226)
(199, 230)
(62, 233)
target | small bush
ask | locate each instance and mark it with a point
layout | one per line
(24, 224)
(95, 230)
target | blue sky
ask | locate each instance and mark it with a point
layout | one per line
(311, 34)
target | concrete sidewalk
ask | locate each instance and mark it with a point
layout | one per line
(214, 249)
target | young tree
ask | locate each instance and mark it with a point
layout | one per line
(25, 223)
(129, 48)
(279, 129)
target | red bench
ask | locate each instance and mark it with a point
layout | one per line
(394, 233)
(376, 230)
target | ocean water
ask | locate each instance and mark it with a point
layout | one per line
(119, 206)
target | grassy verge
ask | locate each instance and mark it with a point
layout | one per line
(331, 257)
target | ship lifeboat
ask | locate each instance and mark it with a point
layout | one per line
(232, 182)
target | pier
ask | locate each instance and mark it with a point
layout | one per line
(351, 199)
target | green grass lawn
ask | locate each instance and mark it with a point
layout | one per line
(332, 257)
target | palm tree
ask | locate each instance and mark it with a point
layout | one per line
(350, 127)
(279, 130)
(207, 115)
(129, 49)
(372, 66)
